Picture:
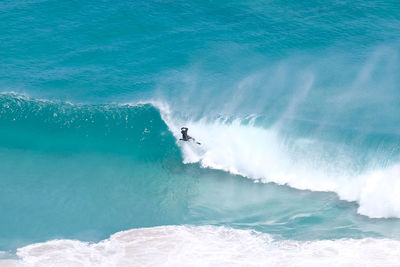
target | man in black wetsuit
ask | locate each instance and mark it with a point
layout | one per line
(185, 136)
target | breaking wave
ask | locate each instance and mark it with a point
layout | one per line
(241, 147)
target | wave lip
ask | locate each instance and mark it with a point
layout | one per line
(207, 246)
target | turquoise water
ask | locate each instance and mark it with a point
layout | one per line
(296, 105)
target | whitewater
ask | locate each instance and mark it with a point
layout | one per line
(295, 105)
(206, 246)
(261, 154)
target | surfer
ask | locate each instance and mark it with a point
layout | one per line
(185, 136)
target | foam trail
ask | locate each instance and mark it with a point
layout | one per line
(207, 246)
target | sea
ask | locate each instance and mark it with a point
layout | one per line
(294, 107)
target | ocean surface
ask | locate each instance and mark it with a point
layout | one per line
(296, 105)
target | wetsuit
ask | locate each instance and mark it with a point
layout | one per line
(185, 136)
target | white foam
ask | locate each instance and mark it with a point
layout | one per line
(260, 154)
(380, 193)
(208, 246)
